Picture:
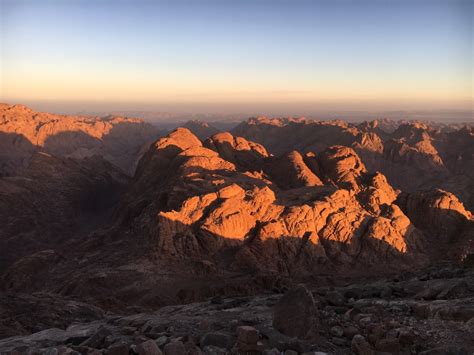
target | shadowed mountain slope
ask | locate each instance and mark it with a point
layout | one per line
(222, 216)
(117, 139)
(413, 155)
(193, 204)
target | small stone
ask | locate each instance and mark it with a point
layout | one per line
(204, 325)
(364, 322)
(335, 298)
(393, 324)
(249, 318)
(233, 324)
(244, 347)
(109, 340)
(69, 351)
(338, 341)
(372, 338)
(393, 334)
(291, 352)
(192, 349)
(356, 314)
(148, 347)
(360, 346)
(445, 350)
(51, 351)
(162, 340)
(377, 331)
(175, 348)
(141, 338)
(337, 331)
(420, 309)
(90, 351)
(273, 351)
(214, 350)
(62, 349)
(406, 337)
(118, 349)
(220, 340)
(350, 331)
(216, 300)
(247, 334)
(388, 345)
(128, 330)
(96, 340)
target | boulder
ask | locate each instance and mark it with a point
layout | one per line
(148, 347)
(174, 348)
(118, 349)
(360, 346)
(296, 313)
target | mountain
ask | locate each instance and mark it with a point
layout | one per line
(24, 131)
(54, 200)
(227, 218)
(201, 129)
(226, 205)
(413, 155)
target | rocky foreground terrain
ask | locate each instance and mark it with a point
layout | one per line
(425, 313)
(338, 239)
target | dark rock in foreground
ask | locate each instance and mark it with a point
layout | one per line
(369, 322)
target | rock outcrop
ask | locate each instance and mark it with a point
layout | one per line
(413, 155)
(208, 201)
(428, 313)
(226, 205)
(53, 198)
(200, 129)
(291, 171)
(238, 150)
(342, 166)
(23, 131)
(226, 217)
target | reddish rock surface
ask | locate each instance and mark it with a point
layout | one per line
(24, 131)
(229, 217)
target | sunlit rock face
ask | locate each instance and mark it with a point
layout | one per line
(449, 226)
(200, 129)
(298, 212)
(238, 150)
(342, 166)
(412, 155)
(23, 131)
(196, 213)
(291, 171)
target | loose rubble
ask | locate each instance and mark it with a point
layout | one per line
(420, 314)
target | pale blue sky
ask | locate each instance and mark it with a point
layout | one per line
(377, 52)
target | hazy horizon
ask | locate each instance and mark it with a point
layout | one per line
(268, 57)
(166, 112)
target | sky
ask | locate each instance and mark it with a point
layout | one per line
(237, 55)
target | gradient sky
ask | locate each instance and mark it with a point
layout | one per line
(342, 54)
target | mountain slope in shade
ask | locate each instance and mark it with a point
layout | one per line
(195, 222)
(202, 130)
(413, 155)
(226, 217)
(117, 139)
(53, 201)
(206, 202)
